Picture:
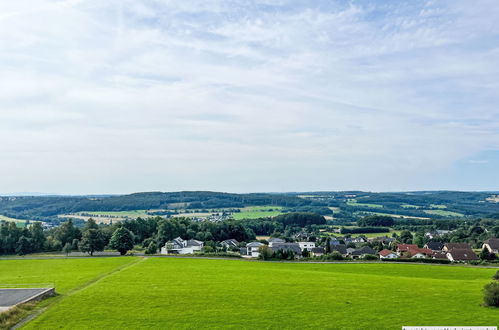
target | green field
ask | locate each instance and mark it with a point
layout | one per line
(128, 214)
(410, 206)
(353, 202)
(255, 212)
(177, 293)
(444, 213)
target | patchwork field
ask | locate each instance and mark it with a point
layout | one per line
(444, 213)
(200, 293)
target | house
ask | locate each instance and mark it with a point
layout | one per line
(354, 240)
(230, 243)
(449, 246)
(418, 253)
(181, 246)
(382, 239)
(341, 248)
(434, 246)
(492, 244)
(360, 253)
(401, 248)
(438, 255)
(437, 233)
(252, 249)
(461, 255)
(306, 245)
(274, 240)
(387, 254)
(317, 251)
(294, 247)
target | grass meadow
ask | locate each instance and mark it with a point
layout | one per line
(255, 212)
(178, 293)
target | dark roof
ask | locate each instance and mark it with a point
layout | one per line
(463, 254)
(193, 242)
(254, 244)
(439, 255)
(451, 246)
(363, 250)
(318, 250)
(295, 247)
(231, 242)
(435, 246)
(276, 240)
(341, 248)
(493, 243)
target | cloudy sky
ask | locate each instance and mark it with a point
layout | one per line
(117, 96)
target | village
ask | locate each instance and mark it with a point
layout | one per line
(339, 248)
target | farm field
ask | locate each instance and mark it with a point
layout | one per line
(391, 215)
(255, 212)
(200, 293)
(353, 202)
(444, 213)
(19, 222)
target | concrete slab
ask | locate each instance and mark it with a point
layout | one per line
(11, 297)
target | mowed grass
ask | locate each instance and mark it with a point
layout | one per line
(65, 274)
(177, 293)
(255, 212)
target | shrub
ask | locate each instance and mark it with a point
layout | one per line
(370, 257)
(496, 276)
(491, 294)
(152, 248)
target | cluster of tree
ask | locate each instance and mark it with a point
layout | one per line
(21, 240)
(266, 253)
(376, 221)
(364, 230)
(491, 292)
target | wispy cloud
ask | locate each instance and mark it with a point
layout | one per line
(115, 96)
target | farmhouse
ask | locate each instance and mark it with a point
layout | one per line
(387, 254)
(461, 255)
(492, 244)
(181, 246)
(252, 249)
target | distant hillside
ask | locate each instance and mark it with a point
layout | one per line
(340, 206)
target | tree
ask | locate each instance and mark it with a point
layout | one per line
(23, 246)
(67, 232)
(37, 236)
(406, 237)
(92, 239)
(152, 248)
(496, 276)
(491, 294)
(67, 249)
(265, 253)
(122, 240)
(328, 245)
(485, 254)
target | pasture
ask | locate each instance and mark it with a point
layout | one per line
(353, 202)
(444, 213)
(255, 212)
(179, 293)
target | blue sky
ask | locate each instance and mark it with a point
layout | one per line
(102, 96)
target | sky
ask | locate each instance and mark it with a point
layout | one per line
(120, 96)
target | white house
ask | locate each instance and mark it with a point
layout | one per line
(387, 254)
(252, 249)
(181, 246)
(306, 246)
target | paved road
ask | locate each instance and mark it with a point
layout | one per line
(11, 297)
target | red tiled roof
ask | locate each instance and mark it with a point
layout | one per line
(406, 247)
(385, 252)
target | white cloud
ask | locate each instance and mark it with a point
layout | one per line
(117, 96)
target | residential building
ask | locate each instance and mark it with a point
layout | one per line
(252, 249)
(461, 255)
(317, 251)
(274, 240)
(306, 245)
(492, 244)
(230, 243)
(181, 246)
(387, 254)
(360, 253)
(294, 247)
(449, 246)
(434, 246)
